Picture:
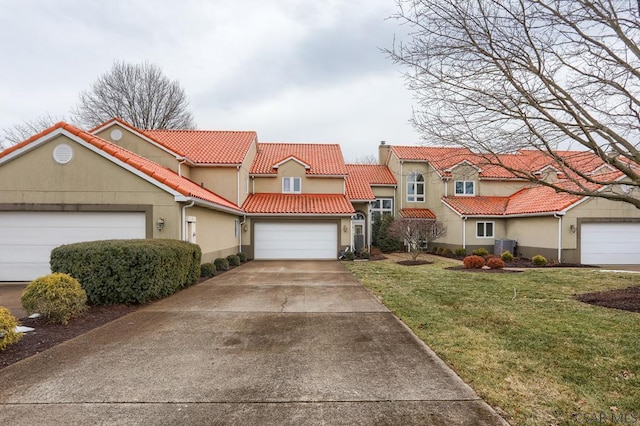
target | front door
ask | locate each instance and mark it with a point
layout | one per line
(358, 227)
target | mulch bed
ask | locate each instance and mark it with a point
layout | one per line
(413, 262)
(626, 299)
(48, 335)
(483, 270)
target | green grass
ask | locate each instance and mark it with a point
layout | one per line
(520, 339)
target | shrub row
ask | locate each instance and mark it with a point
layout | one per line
(222, 264)
(129, 271)
(477, 262)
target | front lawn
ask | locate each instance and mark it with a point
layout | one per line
(520, 339)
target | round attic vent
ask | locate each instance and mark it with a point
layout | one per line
(116, 134)
(62, 153)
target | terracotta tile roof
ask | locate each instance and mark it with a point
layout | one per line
(155, 171)
(319, 204)
(527, 201)
(206, 146)
(443, 159)
(323, 159)
(470, 206)
(417, 214)
(363, 176)
(540, 199)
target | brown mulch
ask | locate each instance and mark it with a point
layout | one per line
(48, 335)
(413, 262)
(484, 270)
(626, 299)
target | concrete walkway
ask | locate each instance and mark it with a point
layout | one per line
(267, 343)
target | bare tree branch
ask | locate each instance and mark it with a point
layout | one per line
(417, 234)
(500, 76)
(138, 93)
(23, 131)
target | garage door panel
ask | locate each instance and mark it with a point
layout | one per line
(295, 241)
(610, 243)
(27, 238)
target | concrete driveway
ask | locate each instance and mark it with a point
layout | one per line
(267, 343)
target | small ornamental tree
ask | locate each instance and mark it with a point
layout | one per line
(417, 233)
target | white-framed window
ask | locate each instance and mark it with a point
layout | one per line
(237, 228)
(292, 185)
(415, 187)
(465, 187)
(485, 229)
(380, 207)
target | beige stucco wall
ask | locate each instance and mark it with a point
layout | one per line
(215, 233)
(310, 185)
(220, 180)
(501, 188)
(35, 179)
(142, 147)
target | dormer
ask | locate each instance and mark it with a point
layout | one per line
(465, 176)
(548, 174)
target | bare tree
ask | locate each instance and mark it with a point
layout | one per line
(367, 159)
(417, 234)
(138, 93)
(20, 132)
(499, 76)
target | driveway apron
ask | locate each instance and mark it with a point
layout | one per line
(270, 342)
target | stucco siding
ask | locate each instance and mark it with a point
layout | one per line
(215, 233)
(310, 185)
(142, 147)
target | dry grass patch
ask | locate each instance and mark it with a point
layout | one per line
(521, 340)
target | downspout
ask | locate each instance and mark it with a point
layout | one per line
(244, 220)
(238, 202)
(464, 232)
(184, 220)
(559, 217)
(446, 188)
(401, 184)
(369, 227)
(180, 162)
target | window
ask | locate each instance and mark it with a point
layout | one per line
(465, 187)
(246, 186)
(484, 229)
(291, 185)
(237, 228)
(380, 207)
(415, 187)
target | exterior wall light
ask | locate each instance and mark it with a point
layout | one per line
(345, 228)
(160, 224)
(572, 228)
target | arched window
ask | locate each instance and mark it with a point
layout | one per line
(415, 187)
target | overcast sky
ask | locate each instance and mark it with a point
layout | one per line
(294, 71)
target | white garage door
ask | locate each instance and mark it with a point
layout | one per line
(610, 243)
(296, 241)
(27, 238)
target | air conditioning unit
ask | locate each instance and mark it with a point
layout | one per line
(505, 245)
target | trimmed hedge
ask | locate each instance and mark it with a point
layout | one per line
(506, 256)
(221, 264)
(129, 271)
(473, 262)
(207, 270)
(495, 263)
(480, 252)
(234, 260)
(539, 260)
(242, 256)
(8, 333)
(460, 252)
(58, 297)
